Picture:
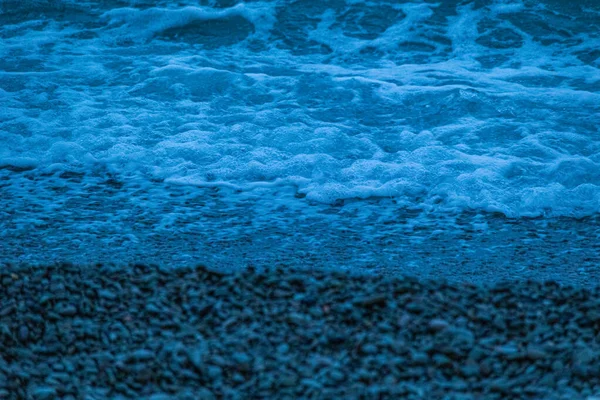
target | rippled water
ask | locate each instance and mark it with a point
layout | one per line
(351, 133)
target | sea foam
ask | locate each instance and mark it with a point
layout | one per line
(484, 107)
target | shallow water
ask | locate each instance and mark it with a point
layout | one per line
(456, 138)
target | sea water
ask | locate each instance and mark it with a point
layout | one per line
(454, 138)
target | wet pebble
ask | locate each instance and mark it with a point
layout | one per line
(142, 332)
(23, 333)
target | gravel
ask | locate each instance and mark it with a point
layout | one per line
(147, 332)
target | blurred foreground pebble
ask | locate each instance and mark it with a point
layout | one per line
(145, 332)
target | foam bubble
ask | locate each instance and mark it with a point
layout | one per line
(489, 106)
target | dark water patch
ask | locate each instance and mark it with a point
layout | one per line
(371, 52)
(492, 60)
(21, 64)
(18, 30)
(16, 168)
(211, 34)
(83, 35)
(224, 3)
(538, 81)
(17, 128)
(294, 22)
(18, 11)
(114, 183)
(546, 27)
(416, 46)
(72, 176)
(501, 38)
(589, 57)
(367, 23)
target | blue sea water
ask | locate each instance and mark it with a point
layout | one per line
(454, 138)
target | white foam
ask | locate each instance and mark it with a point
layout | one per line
(480, 110)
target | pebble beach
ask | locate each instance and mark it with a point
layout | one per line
(146, 332)
(299, 199)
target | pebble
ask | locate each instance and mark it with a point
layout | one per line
(415, 307)
(288, 380)
(160, 396)
(23, 333)
(283, 348)
(535, 352)
(107, 294)
(213, 335)
(369, 349)
(214, 372)
(438, 324)
(370, 301)
(441, 360)
(68, 310)
(419, 358)
(470, 370)
(584, 356)
(7, 310)
(297, 319)
(337, 376)
(43, 393)
(558, 365)
(241, 358)
(141, 355)
(459, 336)
(500, 385)
(196, 356)
(507, 350)
(311, 383)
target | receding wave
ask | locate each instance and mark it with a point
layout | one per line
(485, 106)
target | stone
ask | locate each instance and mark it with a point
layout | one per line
(23, 333)
(470, 370)
(196, 356)
(369, 349)
(535, 352)
(337, 375)
(370, 301)
(459, 336)
(7, 310)
(557, 365)
(419, 358)
(500, 385)
(288, 380)
(204, 394)
(584, 356)
(247, 345)
(160, 396)
(508, 350)
(283, 348)
(214, 372)
(142, 355)
(43, 393)
(438, 324)
(441, 360)
(107, 294)
(67, 310)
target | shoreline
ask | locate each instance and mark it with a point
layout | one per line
(149, 332)
(176, 226)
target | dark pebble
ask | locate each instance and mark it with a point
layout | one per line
(23, 333)
(196, 333)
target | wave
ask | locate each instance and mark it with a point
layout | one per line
(486, 106)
